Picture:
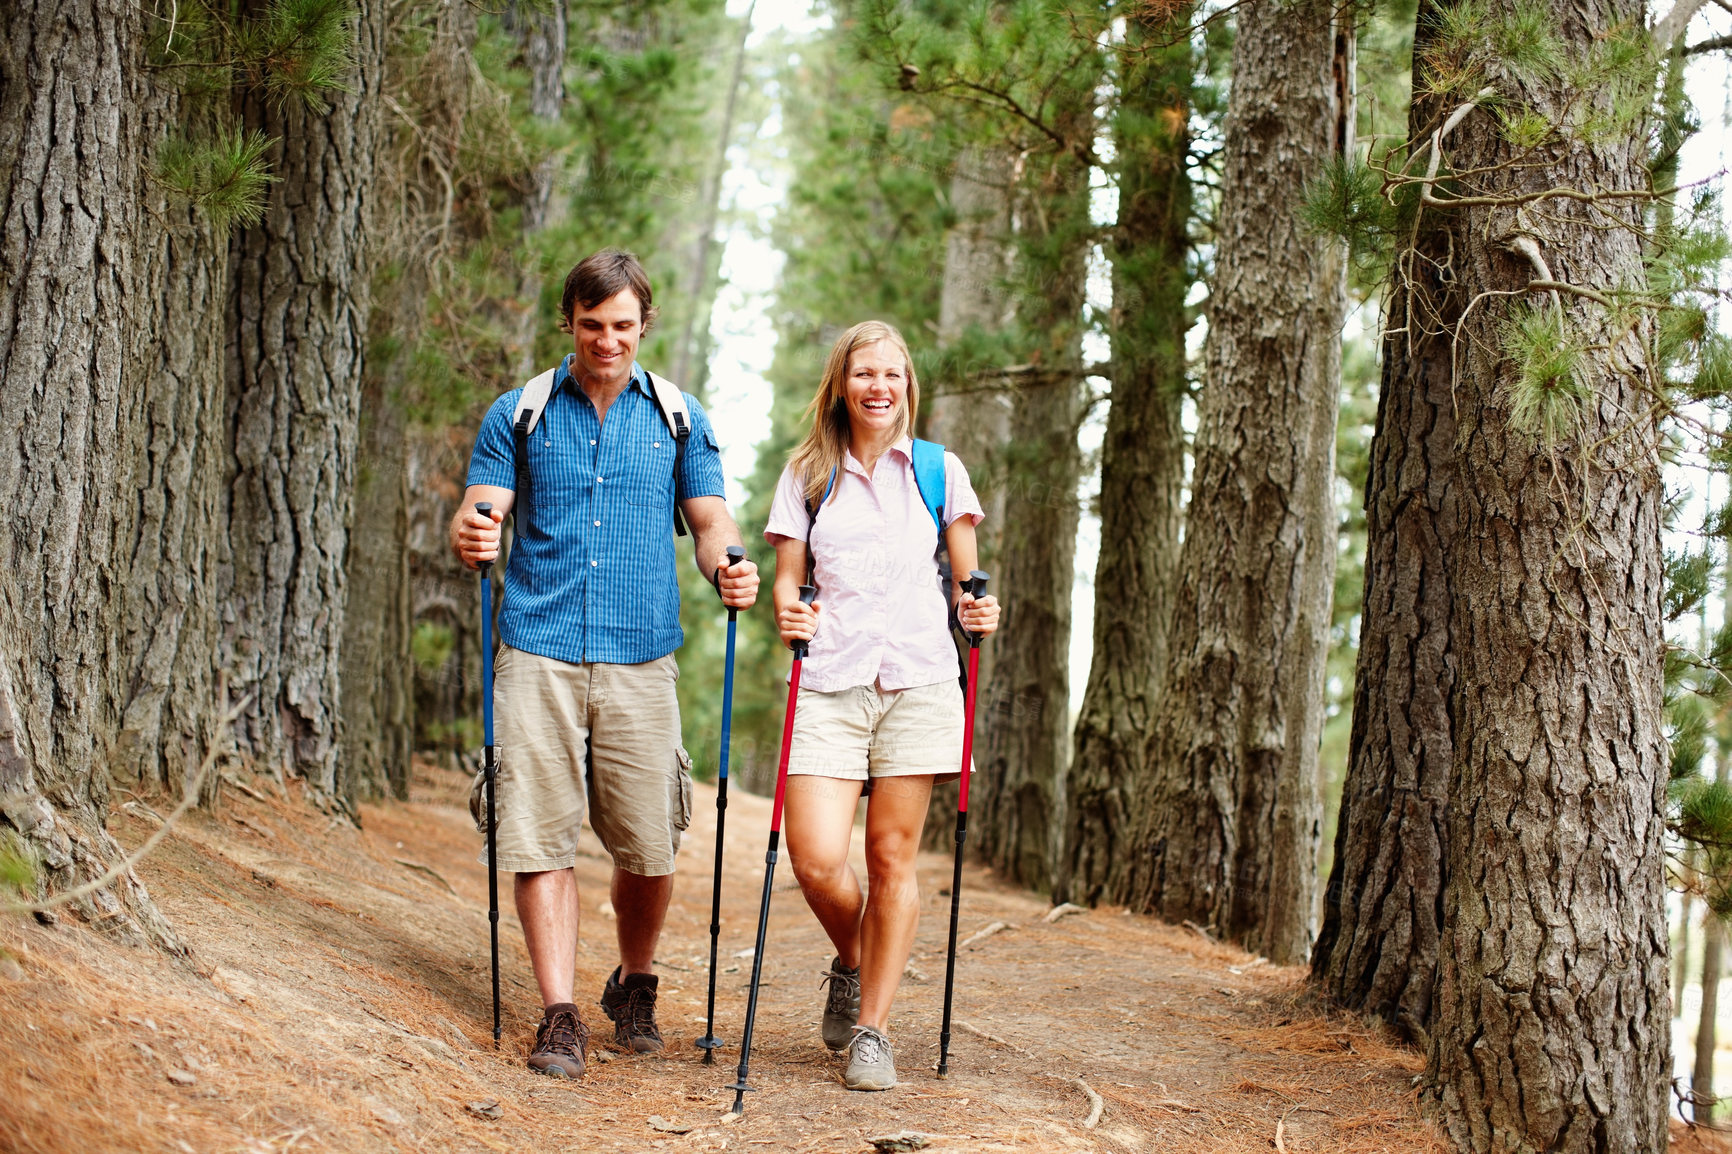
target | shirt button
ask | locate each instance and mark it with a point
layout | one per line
(598, 524)
(657, 445)
(592, 564)
(599, 480)
(592, 441)
(547, 443)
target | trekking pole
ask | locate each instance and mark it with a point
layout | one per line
(488, 765)
(976, 584)
(709, 1043)
(807, 594)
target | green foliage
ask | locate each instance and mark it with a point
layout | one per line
(290, 50)
(1689, 579)
(227, 178)
(1551, 385)
(18, 865)
(1352, 201)
(431, 644)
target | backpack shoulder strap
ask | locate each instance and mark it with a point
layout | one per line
(929, 478)
(812, 517)
(672, 404)
(529, 408)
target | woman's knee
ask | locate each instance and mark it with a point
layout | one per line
(820, 872)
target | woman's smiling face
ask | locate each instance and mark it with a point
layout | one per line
(877, 389)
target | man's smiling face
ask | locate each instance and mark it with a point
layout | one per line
(877, 389)
(606, 338)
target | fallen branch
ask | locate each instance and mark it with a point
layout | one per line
(1066, 909)
(1095, 1103)
(1198, 930)
(125, 864)
(428, 870)
(994, 928)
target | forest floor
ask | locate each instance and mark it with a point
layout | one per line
(337, 998)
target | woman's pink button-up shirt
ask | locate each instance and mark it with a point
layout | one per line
(883, 618)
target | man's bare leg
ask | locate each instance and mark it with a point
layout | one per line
(640, 906)
(548, 908)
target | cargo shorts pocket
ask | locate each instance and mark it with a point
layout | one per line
(682, 802)
(478, 795)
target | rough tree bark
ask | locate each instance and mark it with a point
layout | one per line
(1143, 459)
(1027, 702)
(70, 170)
(1232, 813)
(297, 324)
(1551, 1024)
(968, 415)
(1383, 907)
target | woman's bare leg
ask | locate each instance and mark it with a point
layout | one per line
(894, 816)
(818, 818)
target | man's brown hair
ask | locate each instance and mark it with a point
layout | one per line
(599, 277)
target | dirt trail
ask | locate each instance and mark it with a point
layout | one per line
(337, 999)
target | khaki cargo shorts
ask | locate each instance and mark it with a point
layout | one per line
(634, 786)
(864, 732)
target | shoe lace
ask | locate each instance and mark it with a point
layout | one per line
(870, 1046)
(640, 1013)
(843, 989)
(565, 1034)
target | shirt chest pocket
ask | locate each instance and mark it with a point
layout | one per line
(649, 477)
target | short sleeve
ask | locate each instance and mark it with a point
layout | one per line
(702, 474)
(788, 516)
(491, 462)
(959, 498)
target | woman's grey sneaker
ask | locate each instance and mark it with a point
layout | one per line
(841, 1004)
(871, 1065)
(561, 1042)
(631, 1004)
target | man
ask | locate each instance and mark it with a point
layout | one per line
(586, 717)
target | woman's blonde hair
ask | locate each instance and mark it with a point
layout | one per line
(825, 443)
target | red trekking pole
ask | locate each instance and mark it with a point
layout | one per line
(807, 594)
(976, 584)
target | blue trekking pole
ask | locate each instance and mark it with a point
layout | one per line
(488, 765)
(709, 1043)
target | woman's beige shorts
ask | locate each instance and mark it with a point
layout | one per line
(866, 732)
(634, 785)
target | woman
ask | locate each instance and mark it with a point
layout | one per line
(879, 700)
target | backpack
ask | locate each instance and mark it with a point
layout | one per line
(928, 458)
(538, 391)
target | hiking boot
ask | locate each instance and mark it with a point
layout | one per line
(841, 1005)
(632, 1006)
(561, 1041)
(871, 1065)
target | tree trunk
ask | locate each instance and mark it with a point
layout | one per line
(1702, 1100)
(1383, 907)
(70, 196)
(1026, 704)
(1551, 1029)
(1232, 812)
(298, 307)
(969, 415)
(1143, 459)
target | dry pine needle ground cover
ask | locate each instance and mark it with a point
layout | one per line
(337, 998)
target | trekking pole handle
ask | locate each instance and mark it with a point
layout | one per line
(736, 554)
(808, 594)
(485, 508)
(976, 584)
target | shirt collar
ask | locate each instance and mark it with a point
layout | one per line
(905, 446)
